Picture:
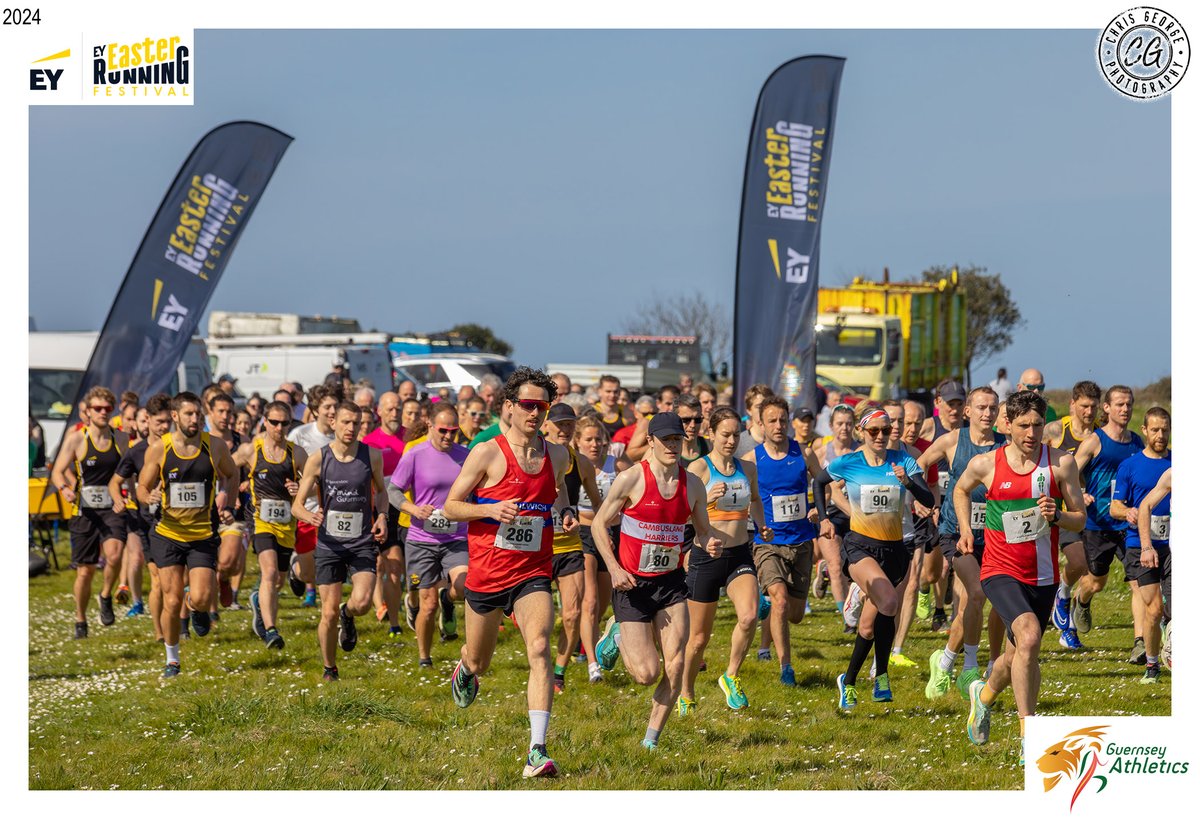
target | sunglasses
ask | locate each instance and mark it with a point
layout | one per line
(1035, 387)
(875, 431)
(843, 407)
(533, 405)
(695, 419)
(100, 407)
(446, 430)
(276, 422)
(477, 414)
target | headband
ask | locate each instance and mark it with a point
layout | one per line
(873, 415)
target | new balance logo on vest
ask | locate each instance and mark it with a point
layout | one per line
(1006, 485)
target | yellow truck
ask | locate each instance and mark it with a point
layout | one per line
(892, 339)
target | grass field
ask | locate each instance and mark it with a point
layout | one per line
(240, 717)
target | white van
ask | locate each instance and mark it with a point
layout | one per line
(431, 372)
(261, 363)
(57, 362)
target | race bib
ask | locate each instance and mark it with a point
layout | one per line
(1024, 525)
(874, 499)
(187, 495)
(788, 508)
(274, 510)
(978, 515)
(344, 525)
(95, 497)
(1160, 527)
(736, 497)
(944, 479)
(604, 481)
(438, 524)
(657, 559)
(523, 534)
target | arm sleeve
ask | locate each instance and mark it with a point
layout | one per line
(920, 490)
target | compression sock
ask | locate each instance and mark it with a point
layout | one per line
(970, 657)
(1064, 589)
(539, 721)
(885, 632)
(173, 654)
(838, 605)
(862, 647)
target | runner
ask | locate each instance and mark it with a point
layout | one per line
(783, 561)
(958, 448)
(86, 463)
(1067, 435)
(516, 482)
(687, 407)
(388, 438)
(613, 414)
(311, 437)
(275, 467)
(1146, 568)
(934, 574)
(707, 394)
(1154, 520)
(231, 559)
(472, 412)
(639, 443)
(1033, 380)
(436, 547)
(134, 560)
(622, 439)
(407, 391)
(842, 442)
(1098, 458)
(804, 427)
(349, 479)
(183, 473)
(878, 482)
(650, 607)
(753, 419)
(1032, 493)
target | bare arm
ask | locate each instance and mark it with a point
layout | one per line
(940, 450)
(622, 487)
(379, 529)
(979, 472)
(227, 472)
(707, 538)
(474, 473)
(1146, 510)
(62, 476)
(640, 442)
(309, 479)
(1053, 433)
(587, 474)
(148, 487)
(756, 505)
(1075, 518)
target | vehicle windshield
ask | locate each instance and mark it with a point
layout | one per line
(849, 345)
(501, 369)
(52, 392)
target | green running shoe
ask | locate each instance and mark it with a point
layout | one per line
(539, 763)
(685, 707)
(847, 695)
(939, 681)
(464, 688)
(979, 720)
(735, 698)
(607, 650)
(968, 676)
(883, 689)
(924, 605)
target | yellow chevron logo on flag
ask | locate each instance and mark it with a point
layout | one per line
(57, 56)
(157, 293)
(774, 247)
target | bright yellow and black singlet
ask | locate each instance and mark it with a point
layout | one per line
(569, 541)
(93, 473)
(268, 483)
(612, 426)
(1070, 443)
(188, 492)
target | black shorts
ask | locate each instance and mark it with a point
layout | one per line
(395, 534)
(195, 554)
(335, 564)
(266, 542)
(1011, 598)
(892, 556)
(925, 534)
(949, 546)
(136, 524)
(506, 599)
(706, 575)
(1136, 572)
(89, 529)
(589, 545)
(649, 596)
(567, 563)
(841, 523)
(1100, 547)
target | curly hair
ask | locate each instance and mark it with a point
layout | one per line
(528, 375)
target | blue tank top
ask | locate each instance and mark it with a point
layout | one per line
(347, 497)
(1136, 478)
(963, 453)
(736, 500)
(783, 487)
(1100, 478)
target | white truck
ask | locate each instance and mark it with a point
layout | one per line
(228, 324)
(261, 363)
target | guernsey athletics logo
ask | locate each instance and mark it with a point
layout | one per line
(1143, 52)
(1075, 758)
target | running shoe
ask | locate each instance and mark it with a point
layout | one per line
(235, 605)
(924, 605)
(1166, 645)
(595, 673)
(410, 615)
(294, 581)
(137, 608)
(807, 608)
(735, 697)
(427, 662)
(883, 689)
(1061, 613)
(1081, 615)
(214, 615)
(539, 764)
(310, 599)
(257, 624)
(847, 696)
(1138, 655)
(1069, 639)
(201, 623)
(381, 612)
(820, 581)
(107, 618)
(395, 632)
(764, 654)
(1153, 672)
(226, 591)
(764, 607)
(939, 623)
(787, 676)
(965, 680)
(81, 631)
(979, 719)
(607, 650)
(273, 638)
(449, 624)
(464, 687)
(852, 610)
(347, 631)
(900, 661)
(560, 683)
(685, 707)
(939, 681)
(330, 675)
(649, 744)
(172, 670)
(123, 595)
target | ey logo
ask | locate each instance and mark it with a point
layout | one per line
(796, 266)
(46, 79)
(173, 313)
(1076, 758)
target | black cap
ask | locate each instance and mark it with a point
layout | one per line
(664, 424)
(561, 412)
(952, 391)
(800, 413)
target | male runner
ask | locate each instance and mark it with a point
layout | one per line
(184, 473)
(311, 437)
(842, 442)
(136, 531)
(1098, 458)
(754, 398)
(654, 500)
(1028, 485)
(1033, 380)
(925, 539)
(516, 479)
(951, 396)
(472, 412)
(1067, 435)
(86, 463)
(1154, 522)
(613, 414)
(349, 478)
(639, 442)
(389, 438)
(231, 559)
(1136, 478)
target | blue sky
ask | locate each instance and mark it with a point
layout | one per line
(545, 183)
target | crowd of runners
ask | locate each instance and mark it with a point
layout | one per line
(539, 504)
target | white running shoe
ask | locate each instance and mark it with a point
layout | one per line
(852, 609)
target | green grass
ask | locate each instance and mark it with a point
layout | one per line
(240, 717)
